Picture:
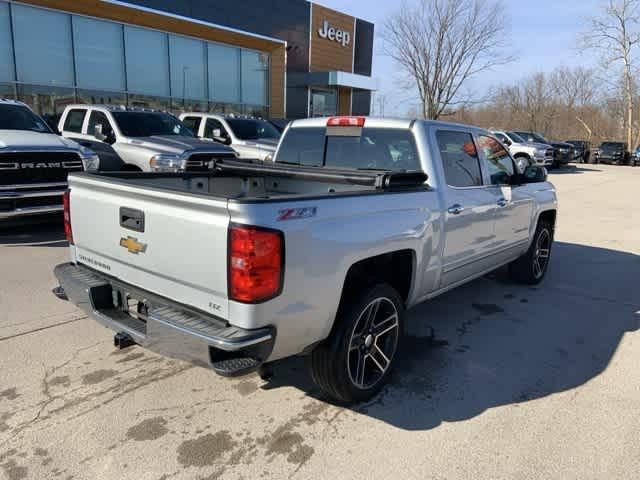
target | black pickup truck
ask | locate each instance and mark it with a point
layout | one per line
(615, 153)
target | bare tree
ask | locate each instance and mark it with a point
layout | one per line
(614, 35)
(441, 44)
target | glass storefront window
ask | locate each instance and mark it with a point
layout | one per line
(324, 103)
(226, 108)
(255, 67)
(6, 90)
(101, 98)
(43, 47)
(224, 73)
(148, 101)
(99, 54)
(47, 101)
(147, 54)
(188, 68)
(7, 72)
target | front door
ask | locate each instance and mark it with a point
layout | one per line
(514, 204)
(469, 209)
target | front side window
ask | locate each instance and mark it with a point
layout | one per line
(252, 129)
(192, 123)
(98, 118)
(459, 159)
(16, 117)
(212, 125)
(498, 161)
(148, 124)
(74, 121)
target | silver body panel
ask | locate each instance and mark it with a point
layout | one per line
(187, 239)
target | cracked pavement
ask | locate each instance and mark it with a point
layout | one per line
(514, 382)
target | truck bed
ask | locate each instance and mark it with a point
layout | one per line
(254, 182)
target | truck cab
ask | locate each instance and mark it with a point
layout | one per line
(250, 137)
(136, 139)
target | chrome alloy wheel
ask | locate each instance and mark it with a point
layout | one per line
(541, 254)
(373, 343)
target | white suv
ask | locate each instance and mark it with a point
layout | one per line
(525, 153)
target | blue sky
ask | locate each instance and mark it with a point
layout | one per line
(543, 36)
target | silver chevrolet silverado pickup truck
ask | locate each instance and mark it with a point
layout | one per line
(319, 253)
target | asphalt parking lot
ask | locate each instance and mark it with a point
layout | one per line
(516, 382)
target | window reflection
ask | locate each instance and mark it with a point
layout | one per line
(7, 73)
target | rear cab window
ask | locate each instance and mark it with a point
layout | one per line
(375, 149)
(75, 120)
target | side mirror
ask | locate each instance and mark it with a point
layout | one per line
(97, 132)
(534, 174)
(507, 142)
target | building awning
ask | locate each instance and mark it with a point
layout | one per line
(332, 79)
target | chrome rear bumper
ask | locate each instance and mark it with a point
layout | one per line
(164, 327)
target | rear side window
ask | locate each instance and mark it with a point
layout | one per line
(213, 124)
(459, 159)
(193, 123)
(375, 148)
(74, 121)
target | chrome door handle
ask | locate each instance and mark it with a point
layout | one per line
(456, 209)
(502, 202)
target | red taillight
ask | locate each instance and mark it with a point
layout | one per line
(255, 263)
(66, 207)
(345, 122)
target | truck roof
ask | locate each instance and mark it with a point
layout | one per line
(378, 122)
(114, 108)
(8, 101)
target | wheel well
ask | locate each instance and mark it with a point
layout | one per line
(394, 268)
(549, 216)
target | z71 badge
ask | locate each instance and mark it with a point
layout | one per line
(297, 213)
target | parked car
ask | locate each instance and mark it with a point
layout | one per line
(525, 153)
(562, 151)
(582, 150)
(250, 137)
(280, 124)
(635, 157)
(615, 153)
(318, 253)
(34, 163)
(135, 139)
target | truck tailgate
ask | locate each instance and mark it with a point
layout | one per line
(180, 252)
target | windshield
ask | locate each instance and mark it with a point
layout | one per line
(147, 124)
(533, 136)
(250, 129)
(516, 138)
(612, 145)
(16, 117)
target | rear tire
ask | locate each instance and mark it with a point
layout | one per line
(355, 362)
(532, 266)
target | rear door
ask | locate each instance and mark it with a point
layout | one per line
(514, 205)
(470, 208)
(172, 244)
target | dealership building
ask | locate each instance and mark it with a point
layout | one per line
(270, 58)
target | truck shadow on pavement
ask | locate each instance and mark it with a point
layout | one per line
(573, 169)
(499, 344)
(43, 233)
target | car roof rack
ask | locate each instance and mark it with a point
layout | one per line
(379, 179)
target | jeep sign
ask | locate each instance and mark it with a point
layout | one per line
(341, 36)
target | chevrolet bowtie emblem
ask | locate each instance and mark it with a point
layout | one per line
(133, 245)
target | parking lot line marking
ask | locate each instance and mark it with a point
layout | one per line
(35, 330)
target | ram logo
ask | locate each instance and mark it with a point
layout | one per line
(32, 165)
